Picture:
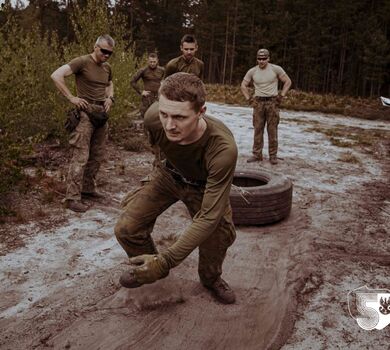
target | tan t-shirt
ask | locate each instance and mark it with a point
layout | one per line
(179, 64)
(91, 78)
(265, 80)
(211, 159)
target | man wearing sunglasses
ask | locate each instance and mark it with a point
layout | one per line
(266, 101)
(95, 96)
(151, 76)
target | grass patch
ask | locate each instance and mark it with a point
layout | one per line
(136, 143)
(364, 108)
(348, 157)
(340, 143)
(352, 137)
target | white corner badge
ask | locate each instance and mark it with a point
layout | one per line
(370, 307)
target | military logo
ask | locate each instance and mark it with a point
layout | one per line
(370, 307)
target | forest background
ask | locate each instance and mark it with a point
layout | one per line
(338, 49)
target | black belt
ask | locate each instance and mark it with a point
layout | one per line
(265, 98)
(180, 178)
(94, 102)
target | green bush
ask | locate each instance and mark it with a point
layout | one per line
(32, 108)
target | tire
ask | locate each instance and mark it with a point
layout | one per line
(260, 197)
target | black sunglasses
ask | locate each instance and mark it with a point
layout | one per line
(262, 58)
(104, 51)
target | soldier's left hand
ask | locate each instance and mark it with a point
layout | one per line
(149, 268)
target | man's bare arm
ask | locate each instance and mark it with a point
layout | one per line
(286, 84)
(245, 89)
(109, 93)
(58, 77)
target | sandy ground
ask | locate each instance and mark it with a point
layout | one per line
(59, 281)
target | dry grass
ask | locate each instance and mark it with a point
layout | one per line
(340, 142)
(352, 137)
(348, 157)
(136, 143)
(365, 108)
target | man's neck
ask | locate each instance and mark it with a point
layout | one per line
(202, 126)
(188, 60)
(93, 55)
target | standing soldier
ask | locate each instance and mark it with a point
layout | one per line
(95, 95)
(266, 102)
(187, 62)
(151, 76)
(201, 155)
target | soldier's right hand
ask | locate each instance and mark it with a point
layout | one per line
(80, 103)
(149, 268)
(145, 93)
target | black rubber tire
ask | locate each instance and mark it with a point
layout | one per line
(260, 197)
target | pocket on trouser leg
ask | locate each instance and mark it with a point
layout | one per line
(128, 198)
(228, 234)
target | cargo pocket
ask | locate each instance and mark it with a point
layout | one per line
(129, 197)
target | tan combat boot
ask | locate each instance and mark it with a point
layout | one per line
(93, 195)
(222, 292)
(254, 159)
(76, 206)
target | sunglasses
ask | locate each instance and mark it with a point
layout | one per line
(262, 58)
(104, 51)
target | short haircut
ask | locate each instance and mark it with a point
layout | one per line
(184, 87)
(152, 55)
(107, 38)
(188, 38)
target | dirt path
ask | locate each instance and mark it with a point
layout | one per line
(291, 279)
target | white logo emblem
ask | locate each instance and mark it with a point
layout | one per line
(370, 307)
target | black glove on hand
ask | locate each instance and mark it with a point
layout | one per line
(149, 268)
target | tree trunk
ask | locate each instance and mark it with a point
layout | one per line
(234, 42)
(226, 48)
(211, 54)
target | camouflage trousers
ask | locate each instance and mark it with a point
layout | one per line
(265, 112)
(88, 150)
(143, 206)
(146, 102)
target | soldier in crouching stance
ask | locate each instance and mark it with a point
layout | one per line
(200, 158)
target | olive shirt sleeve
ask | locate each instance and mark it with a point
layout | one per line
(77, 64)
(221, 166)
(170, 69)
(137, 76)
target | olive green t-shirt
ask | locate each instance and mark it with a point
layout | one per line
(150, 77)
(179, 64)
(211, 159)
(92, 79)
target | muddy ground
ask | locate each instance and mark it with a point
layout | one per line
(59, 270)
